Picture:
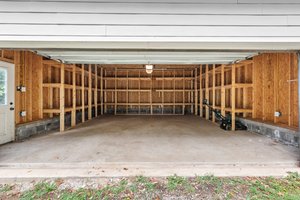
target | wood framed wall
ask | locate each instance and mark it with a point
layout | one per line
(166, 91)
(71, 89)
(227, 88)
(253, 89)
(261, 86)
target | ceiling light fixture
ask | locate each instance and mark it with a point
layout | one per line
(149, 69)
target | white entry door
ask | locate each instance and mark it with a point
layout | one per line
(7, 113)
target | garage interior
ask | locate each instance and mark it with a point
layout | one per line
(112, 110)
(254, 88)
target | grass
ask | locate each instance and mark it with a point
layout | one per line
(39, 191)
(174, 187)
(5, 188)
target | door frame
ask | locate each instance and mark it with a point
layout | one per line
(11, 87)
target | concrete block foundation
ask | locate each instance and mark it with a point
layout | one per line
(24, 131)
(280, 134)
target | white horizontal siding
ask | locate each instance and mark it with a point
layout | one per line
(150, 20)
(148, 31)
(144, 19)
(158, 8)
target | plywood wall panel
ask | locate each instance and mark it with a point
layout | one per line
(37, 97)
(283, 84)
(275, 88)
(257, 87)
(269, 63)
(294, 115)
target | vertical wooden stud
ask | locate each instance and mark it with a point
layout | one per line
(96, 90)
(101, 90)
(73, 117)
(183, 92)
(245, 91)
(196, 91)
(201, 91)
(223, 90)
(233, 71)
(139, 92)
(105, 93)
(62, 97)
(191, 92)
(116, 93)
(214, 92)
(174, 93)
(90, 93)
(151, 90)
(82, 93)
(206, 91)
(127, 93)
(163, 89)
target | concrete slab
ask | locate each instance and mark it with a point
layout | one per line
(186, 144)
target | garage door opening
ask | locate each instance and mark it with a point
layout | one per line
(110, 113)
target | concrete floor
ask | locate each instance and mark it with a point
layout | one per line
(118, 146)
(155, 139)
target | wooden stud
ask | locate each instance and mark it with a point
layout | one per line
(82, 93)
(191, 96)
(196, 91)
(174, 93)
(139, 92)
(90, 93)
(151, 100)
(73, 117)
(233, 71)
(183, 93)
(163, 91)
(105, 94)
(127, 89)
(62, 98)
(201, 91)
(116, 94)
(206, 91)
(101, 90)
(96, 90)
(223, 90)
(214, 92)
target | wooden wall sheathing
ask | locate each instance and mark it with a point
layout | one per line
(27, 67)
(275, 88)
(272, 78)
(133, 91)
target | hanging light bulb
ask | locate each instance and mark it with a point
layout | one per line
(149, 69)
